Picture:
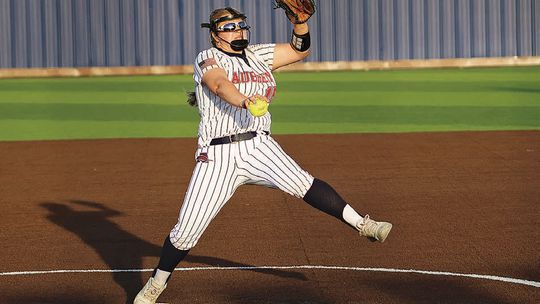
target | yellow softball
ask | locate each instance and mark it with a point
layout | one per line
(258, 107)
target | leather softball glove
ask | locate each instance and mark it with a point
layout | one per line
(298, 11)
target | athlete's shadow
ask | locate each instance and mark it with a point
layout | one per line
(120, 249)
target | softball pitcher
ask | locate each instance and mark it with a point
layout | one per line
(233, 87)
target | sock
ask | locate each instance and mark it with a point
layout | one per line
(161, 276)
(170, 258)
(323, 197)
(351, 216)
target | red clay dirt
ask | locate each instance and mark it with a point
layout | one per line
(466, 202)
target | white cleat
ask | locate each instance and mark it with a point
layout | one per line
(150, 292)
(373, 229)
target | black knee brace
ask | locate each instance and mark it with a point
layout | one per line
(170, 256)
(323, 197)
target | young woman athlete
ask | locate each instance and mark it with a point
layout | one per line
(235, 147)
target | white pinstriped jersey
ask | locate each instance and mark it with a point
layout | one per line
(218, 117)
(222, 168)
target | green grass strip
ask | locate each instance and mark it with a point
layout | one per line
(317, 102)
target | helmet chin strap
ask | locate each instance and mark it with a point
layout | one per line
(236, 45)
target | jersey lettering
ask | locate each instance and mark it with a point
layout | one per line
(243, 77)
(252, 75)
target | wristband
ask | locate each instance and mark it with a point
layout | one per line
(300, 43)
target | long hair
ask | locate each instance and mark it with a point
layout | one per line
(192, 99)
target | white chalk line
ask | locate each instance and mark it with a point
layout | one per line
(392, 270)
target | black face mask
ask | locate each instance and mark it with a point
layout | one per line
(239, 44)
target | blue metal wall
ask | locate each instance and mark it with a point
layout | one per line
(79, 33)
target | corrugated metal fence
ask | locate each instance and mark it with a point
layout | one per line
(80, 33)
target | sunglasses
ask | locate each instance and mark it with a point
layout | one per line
(233, 26)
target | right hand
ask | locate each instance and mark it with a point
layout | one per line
(257, 105)
(251, 99)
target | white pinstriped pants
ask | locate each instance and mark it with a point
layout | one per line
(259, 161)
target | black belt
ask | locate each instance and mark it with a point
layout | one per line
(234, 138)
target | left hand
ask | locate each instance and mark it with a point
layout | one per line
(298, 11)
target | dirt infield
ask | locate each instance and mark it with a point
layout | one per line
(462, 203)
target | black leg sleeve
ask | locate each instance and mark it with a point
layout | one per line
(323, 197)
(170, 256)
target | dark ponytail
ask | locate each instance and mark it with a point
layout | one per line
(192, 99)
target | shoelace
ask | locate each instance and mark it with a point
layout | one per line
(368, 226)
(152, 293)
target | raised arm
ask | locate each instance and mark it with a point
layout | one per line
(298, 12)
(285, 53)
